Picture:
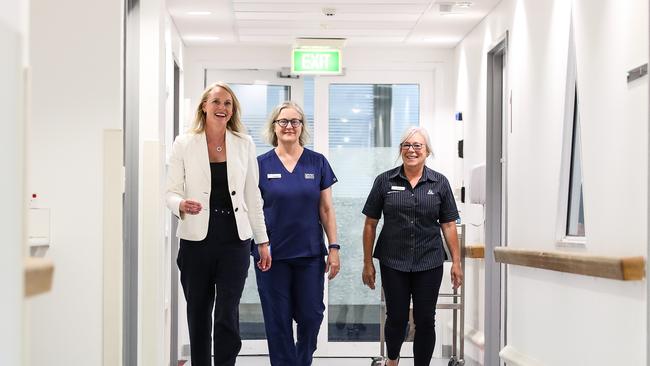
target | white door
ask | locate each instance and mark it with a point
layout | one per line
(359, 119)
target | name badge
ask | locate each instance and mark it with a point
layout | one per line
(274, 176)
(397, 188)
(309, 176)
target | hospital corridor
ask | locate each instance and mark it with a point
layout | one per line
(324, 182)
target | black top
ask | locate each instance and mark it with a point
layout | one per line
(219, 195)
(410, 240)
(222, 227)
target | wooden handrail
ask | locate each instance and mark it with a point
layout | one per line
(617, 268)
(476, 250)
(38, 275)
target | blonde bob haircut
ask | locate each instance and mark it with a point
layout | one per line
(234, 124)
(412, 131)
(269, 128)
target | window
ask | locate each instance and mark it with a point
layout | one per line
(575, 225)
(571, 218)
(257, 102)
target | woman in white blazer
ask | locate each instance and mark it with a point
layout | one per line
(212, 186)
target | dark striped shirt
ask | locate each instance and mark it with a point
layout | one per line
(410, 240)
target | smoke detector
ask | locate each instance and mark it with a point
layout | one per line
(329, 12)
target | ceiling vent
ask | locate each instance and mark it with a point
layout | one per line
(453, 7)
(332, 43)
(445, 7)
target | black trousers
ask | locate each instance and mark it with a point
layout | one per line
(209, 267)
(399, 287)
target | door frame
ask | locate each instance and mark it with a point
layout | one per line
(496, 200)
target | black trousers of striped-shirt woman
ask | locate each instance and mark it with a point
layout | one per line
(399, 287)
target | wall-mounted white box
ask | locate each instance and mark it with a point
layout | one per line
(39, 226)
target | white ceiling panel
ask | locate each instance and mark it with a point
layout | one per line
(330, 2)
(290, 40)
(408, 22)
(350, 8)
(376, 17)
(323, 33)
(243, 24)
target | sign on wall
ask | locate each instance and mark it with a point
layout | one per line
(316, 61)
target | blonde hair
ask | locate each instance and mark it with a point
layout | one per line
(412, 131)
(234, 123)
(269, 129)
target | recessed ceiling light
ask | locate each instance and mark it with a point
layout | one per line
(199, 13)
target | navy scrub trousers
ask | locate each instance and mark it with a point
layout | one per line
(292, 290)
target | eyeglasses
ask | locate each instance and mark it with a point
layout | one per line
(406, 146)
(285, 122)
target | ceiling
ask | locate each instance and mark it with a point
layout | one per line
(431, 23)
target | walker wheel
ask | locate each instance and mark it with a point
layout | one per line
(452, 362)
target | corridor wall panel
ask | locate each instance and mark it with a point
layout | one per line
(558, 318)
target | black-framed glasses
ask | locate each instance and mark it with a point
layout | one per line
(285, 122)
(406, 146)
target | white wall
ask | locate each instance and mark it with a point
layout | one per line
(76, 93)
(160, 46)
(557, 318)
(154, 263)
(13, 30)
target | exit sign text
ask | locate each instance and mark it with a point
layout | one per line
(306, 61)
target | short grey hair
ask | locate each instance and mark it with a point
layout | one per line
(269, 128)
(412, 131)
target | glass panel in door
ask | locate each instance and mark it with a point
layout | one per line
(366, 122)
(257, 103)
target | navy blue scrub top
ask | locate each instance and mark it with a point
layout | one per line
(291, 203)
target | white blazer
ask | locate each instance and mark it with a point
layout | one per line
(189, 177)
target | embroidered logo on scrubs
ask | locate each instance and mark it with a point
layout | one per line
(274, 176)
(309, 176)
(430, 191)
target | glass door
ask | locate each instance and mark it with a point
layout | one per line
(258, 91)
(359, 122)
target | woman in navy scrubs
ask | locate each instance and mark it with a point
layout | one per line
(416, 202)
(212, 187)
(295, 183)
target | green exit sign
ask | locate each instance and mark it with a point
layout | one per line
(309, 61)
